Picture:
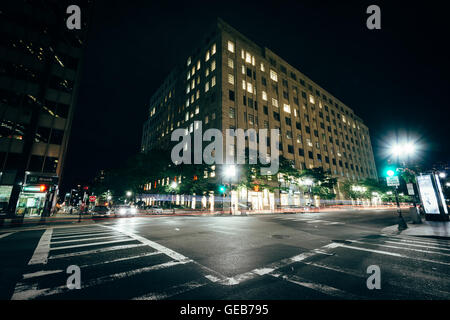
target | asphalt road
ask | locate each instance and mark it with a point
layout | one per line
(321, 255)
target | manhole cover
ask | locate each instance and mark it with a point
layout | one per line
(280, 236)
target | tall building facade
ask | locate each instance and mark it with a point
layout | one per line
(40, 62)
(231, 82)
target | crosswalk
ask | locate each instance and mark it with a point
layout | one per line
(106, 256)
(308, 219)
(410, 268)
(118, 263)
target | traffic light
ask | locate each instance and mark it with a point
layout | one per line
(390, 171)
(222, 189)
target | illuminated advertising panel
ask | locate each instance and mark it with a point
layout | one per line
(427, 194)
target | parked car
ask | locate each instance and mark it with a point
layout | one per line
(100, 211)
(154, 209)
(124, 210)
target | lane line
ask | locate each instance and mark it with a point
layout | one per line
(40, 273)
(391, 254)
(172, 291)
(87, 239)
(3, 235)
(441, 245)
(31, 291)
(80, 235)
(230, 281)
(417, 245)
(90, 244)
(169, 252)
(81, 253)
(40, 254)
(401, 248)
(322, 288)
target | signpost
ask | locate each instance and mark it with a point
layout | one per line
(392, 181)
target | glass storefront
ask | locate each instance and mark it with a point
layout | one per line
(5, 194)
(30, 204)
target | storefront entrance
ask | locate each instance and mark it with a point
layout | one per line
(30, 204)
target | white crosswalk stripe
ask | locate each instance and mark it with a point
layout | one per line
(71, 243)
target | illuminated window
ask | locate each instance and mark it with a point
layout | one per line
(207, 87)
(197, 95)
(213, 81)
(311, 99)
(264, 96)
(243, 69)
(275, 102)
(248, 58)
(273, 75)
(243, 54)
(198, 65)
(189, 61)
(189, 75)
(188, 89)
(213, 65)
(262, 67)
(249, 87)
(207, 56)
(207, 72)
(230, 78)
(213, 49)
(243, 84)
(230, 46)
(287, 108)
(231, 63)
(187, 116)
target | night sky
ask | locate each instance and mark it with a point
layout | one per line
(396, 79)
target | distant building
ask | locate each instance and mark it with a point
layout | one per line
(40, 63)
(229, 82)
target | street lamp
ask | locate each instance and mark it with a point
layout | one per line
(230, 172)
(308, 182)
(173, 186)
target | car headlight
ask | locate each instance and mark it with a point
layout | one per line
(122, 211)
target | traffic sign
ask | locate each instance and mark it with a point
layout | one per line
(92, 198)
(410, 189)
(392, 181)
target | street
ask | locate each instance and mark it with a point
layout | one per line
(322, 255)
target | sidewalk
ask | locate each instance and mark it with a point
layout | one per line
(438, 229)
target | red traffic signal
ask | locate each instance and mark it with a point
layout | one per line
(42, 188)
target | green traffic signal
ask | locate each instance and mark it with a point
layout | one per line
(222, 189)
(390, 171)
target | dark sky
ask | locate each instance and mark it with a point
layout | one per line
(396, 79)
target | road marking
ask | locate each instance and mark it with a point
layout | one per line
(401, 248)
(417, 245)
(40, 254)
(80, 235)
(142, 255)
(445, 245)
(3, 235)
(212, 278)
(74, 233)
(172, 291)
(391, 254)
(405, 284)
(88, 239)
(169, 252)
(80, 253)
(230, 281)
(90, 244)
(40, 273)
(328, 290)
(31, 291)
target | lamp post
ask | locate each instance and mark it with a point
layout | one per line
(173, 186)
(230, 172)
(400, 152)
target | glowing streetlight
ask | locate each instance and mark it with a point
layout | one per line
(403, 149)
(129, 193)
(174, 185)
(230, 171)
